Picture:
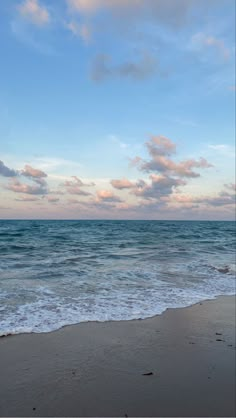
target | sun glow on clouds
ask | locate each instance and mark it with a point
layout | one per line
(158, 194)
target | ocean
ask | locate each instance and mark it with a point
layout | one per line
(56, 273)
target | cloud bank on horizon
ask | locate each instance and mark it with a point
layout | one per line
(161, 193)
(84, 82)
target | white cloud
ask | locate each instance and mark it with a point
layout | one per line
(223, 149)
(117, 141)
(201, 40)
(83, 31)
(34, 12)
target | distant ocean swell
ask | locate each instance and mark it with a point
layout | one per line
(56, 273)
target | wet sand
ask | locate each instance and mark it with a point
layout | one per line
(181, 363)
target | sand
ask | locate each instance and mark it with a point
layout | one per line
(98, 369)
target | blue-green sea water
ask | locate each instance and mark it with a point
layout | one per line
(54, 273)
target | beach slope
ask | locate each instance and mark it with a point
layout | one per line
(181, 363)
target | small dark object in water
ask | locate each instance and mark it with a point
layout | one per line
(224, 270)
(219, 339)
(218, 333)
(147, 374)
(230, 345)
(126, 415)
(191, 342)
(34, 409)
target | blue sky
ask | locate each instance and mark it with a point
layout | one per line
(117, 109)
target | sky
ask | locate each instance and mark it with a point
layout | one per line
(117, 109)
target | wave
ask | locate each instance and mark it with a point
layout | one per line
(40, 308)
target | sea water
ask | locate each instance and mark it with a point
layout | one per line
(55, 273)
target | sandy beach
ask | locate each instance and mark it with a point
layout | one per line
(181, 363)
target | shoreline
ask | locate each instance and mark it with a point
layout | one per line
(157, 315)
(178, 363)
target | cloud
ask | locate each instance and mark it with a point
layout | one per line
(73, 201)
(74, 186)
(27, 199)
(6, 171)
(53, 199)
(231, 186)
(82, 31)
(169, 12)
(40, 188)
(166, 175)
(24, 34)
(219, 147)
(232, 88)
(107, 196)
(160, 149)
(160, 145)
(160, 186)
(122, 184)
(34, 12)
(32, 172)
(140, 69)
(36, 176)
(224, 198)
(201, 40)
(51, 164)
(223, 149)
(117, 141)
(56, 192)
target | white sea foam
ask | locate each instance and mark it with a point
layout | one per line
(145, 299)
(65, 273)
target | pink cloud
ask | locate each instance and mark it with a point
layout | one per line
(160, 145)
(122, 184)
(166, 175)
(34, 12)
(32, 172)
(169, 12)
(184, 168)
(222, 199)
(38, 189)
(160, 149)
(159, 187)
(107, 196)
(93, 6)
(74, 186)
